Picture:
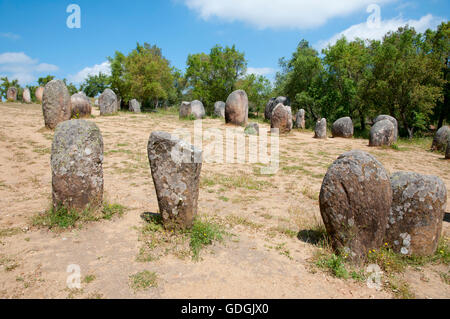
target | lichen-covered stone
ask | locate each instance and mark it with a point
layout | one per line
(39, 93)
(236, 108)
(76, 161)
(81, 105)
(281, 118)
(355, 200)
(343, 127)
(134, 106)
(252, 129)
(269, 108)
(26, 95)
(392, 120)
(194, 108)
(320, 130)
(108, 102)
(440, 139)
(175, 167)
(300, 119)
(56, 103)
(382, 134)
(418, 208)
(11, 94)
(219, 109)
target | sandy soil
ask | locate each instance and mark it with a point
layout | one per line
(259, 261)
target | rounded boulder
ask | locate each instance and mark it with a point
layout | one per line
(236, 108)
(56, 103)
(343, 127)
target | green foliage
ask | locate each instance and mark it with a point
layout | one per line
(143, 280)
(203, 234)
(43, 81)
(258, 89)
(95, 84)
(212, 77)
(6, 84)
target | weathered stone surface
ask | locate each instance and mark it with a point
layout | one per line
(418, 208)
(252, 129)
(194, 108)
(236, 108)
(26, 95)
(300, 119)
(175, 167)
(11, 94)
(39, 93)
(343, 127)
(382, 133)
(392, 120)
(76, 161)
(320, 130)
(134, 106)
(447, 152)
(108, 102)
(56, 103)
(281, 118)
(355, 201)
(283, 100)
(81, 105)
(441, 138)
(219, 109)
(269, 108)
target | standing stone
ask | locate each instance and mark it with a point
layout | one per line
(283, 100)
(382, 133)
(440, 139)
(39, 93)
(108, 102)
(320, 130)
(11, 94)
(219, 109)
(252, 129)
(26, 95)
(281, 118)
(355, 201)
(76, 160)
(134, 106)
(194, 108)
(175, 167)
(81, 105)
(269, 108)
(343, 127)
(56, 103)
(236, 108)
(418, 209)
(447, 153)
(185, 109)
(392, 120)
(300, 119)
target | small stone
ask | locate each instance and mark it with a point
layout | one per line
(11, 94)
(219, 109)
(194, 108)
(321, 129)
(26, 95)
(134, 106)
(300, 119)
(56, 104)
(236, 108)
(108, 102)
(39, 93)
(343, 127)
(281, 118)
(81, 105)
(382, 133)
(392, 120)
(441, 138)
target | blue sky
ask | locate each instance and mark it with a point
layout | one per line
(35, 40)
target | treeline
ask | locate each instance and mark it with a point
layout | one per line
(405, 75)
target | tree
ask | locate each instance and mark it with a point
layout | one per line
(407, 78)
(44, 81)
(258, 89)
(70, 87)
(6, 84)
(95, 84)
(212, 77)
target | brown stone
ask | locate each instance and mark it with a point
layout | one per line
(236, 108)
(56, 104)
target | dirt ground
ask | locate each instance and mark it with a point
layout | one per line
(260, 261)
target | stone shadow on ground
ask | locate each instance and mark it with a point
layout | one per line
(447, 217)
(310, 236)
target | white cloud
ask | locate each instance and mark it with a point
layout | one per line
(18, 65)
(261, 71)
(295, 14)
(370, 31)
(104, 68)
(9, 35)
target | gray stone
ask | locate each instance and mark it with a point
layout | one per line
(382, 134)
(236, 108)
(447, 152)
(269, 108)
(56, 104)
(392, 120)
(39, 93)
(343, 127)
(194, 108)
(283, 100)
(219, 109)
(300, 119)
(76, 161)
(418, 209)
(440, 139)
(320, 130)
(26, 95)
(355, 200)
(135, 106)
(11, 94)
(175, 167)
(108, 102)
(281, 118)
(81, 105)
(252, 129)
